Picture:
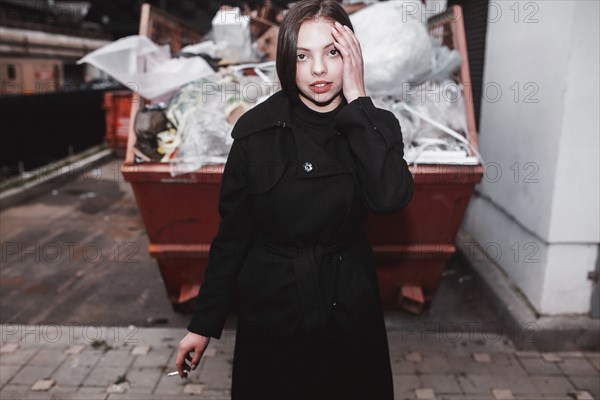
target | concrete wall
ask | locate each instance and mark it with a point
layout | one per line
(537, 210)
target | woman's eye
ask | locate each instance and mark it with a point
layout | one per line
(301, 57)
(334, 52)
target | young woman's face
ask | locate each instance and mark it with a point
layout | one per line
(318, 62)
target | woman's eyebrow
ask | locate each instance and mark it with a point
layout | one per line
(324, 47)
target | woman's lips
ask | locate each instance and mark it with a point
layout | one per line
(321, 87)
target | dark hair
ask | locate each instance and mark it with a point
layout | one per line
(287, 41)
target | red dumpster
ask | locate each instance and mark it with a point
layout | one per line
(411, 247)
(117, 109)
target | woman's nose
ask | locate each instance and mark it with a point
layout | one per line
(318, 68)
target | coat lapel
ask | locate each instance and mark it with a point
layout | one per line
(314, 161)
(275, 113)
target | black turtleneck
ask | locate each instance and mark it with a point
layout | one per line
(320, 126)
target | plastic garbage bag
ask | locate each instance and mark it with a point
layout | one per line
(206, 47)
(397, 49)
(145, 67)
(231, 27)
(201, 120)
(444, 63)
(441, 101)
(432, 117)
(398, 52)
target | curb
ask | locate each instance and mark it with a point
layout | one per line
(528, 330)
(53, 179)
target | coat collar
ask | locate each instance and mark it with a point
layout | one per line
(313, 161)
(274, 111)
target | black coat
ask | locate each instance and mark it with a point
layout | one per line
(292, 249)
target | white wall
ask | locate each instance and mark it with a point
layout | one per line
(539, 138)
(576, 202)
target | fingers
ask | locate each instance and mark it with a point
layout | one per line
(182, 366)
(347, 38)
(354, 39)
(196, 359)
(341, 44)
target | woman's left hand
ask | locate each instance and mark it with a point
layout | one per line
(353, 74)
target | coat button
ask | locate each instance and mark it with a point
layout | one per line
(308, 167)
(340, 258)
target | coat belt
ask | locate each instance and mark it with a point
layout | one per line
(306, 261)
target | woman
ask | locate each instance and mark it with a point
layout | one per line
(305, 168)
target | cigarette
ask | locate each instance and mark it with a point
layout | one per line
(173, 373)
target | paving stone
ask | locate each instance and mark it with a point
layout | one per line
(551, 357)
(51, 395)
(18, 357)
(193, 388)
(400, 366)
(413, 356)
(464, 364)
(157, 358)
(506, 364)
(405, 384)
(118, 388)
(478, 396)
(553, 385)
(535, 366)
(441, 383)
(595, 361)
(141, 396)
(116, 358)
(502, 394)
(74, 349)
(140, 350)
(425, 394)
(208, 394)
(14, 392)
(170, 385)
(589, 383)
(578, 366)
(144, 380)
(7, 372)
(433, 363)
(71, 374)
(482, 357)
(210, 352)
(48, 357)
(9, 348)
(104, 375)
(56, 388)
(478, 384)
(521, 386)
(88, 390)
(172, 361)
(82, 396)
(30, 374)
(88, 357)
(583, 395)
(570, 354)
(215, 372)
(42, 385)
(527, 354)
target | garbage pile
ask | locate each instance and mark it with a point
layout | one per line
(197, 95)
(411, 74)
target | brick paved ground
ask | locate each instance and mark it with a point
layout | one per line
(77, 362)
